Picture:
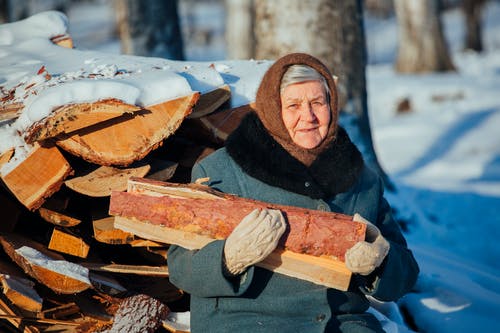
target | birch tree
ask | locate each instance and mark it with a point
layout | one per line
(240, 40)
(422, 47)
(332, 31)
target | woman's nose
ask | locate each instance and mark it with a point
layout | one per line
(306, 112)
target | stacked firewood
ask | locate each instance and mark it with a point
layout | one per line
(63, 265)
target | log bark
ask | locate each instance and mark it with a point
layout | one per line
(194, 215)
(310, 232)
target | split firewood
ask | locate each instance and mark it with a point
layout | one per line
(127, 139)
(63, 40)
(47, 267)
(106, 283)
(10, 314)
(58, 218)
(18, 289)
(161, 271)
(221, 123)
(105, 232)
(211, 101)
(73, 117)
(10, 112)
(103, 180)
(64, 242)
(193, 215)
(6, 156)
(20, 292)
(38, 176)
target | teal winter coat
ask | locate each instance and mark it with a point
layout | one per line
(263, 301)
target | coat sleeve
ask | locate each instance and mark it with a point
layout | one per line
(200, 272)
(399, 271)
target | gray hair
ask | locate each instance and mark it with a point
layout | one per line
(302, 73)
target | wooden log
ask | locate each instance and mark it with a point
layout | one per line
(203, 210)
(221, 123)
(106, 284)
(11, 314)
(139, 313)
(211, 101)
(58, 218)
(161, 271)
(101, 181)
(320, 270)
(6, 156)
(18, 289)
(20, 292)
(38, 176)
(105, 232)
(129, 138)
(193, 215)
(10, 112)
(72, 117)
(63, 40)
(64, 242)
(47, 267)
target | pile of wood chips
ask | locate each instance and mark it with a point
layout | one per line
(63, 265)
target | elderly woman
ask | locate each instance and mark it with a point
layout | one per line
(292, 151)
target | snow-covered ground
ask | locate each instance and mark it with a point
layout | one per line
(443, 157)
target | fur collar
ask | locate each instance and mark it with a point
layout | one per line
(259, 155)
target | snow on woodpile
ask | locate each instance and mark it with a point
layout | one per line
(37, 76)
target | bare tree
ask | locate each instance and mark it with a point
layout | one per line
(150, 28)
(473, 36)
(240, 40)
(422, 47)
(333, 31)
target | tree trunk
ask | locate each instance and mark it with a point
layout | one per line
(473, 37)
(422, 47)
(240, 40)
(150, 28)
(333, 32)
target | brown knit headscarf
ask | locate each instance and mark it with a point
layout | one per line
(268, 105)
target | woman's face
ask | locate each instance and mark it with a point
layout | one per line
(306, 113)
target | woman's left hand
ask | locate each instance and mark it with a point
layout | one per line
(364, 257)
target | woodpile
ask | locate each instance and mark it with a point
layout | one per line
(72, 257)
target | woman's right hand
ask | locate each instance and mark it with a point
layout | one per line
(253, 239)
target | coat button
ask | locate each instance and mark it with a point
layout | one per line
(320, 317)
